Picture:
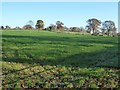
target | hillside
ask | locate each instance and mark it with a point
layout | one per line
(50, 59)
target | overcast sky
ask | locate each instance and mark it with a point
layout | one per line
(70, 13)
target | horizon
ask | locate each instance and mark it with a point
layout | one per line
(73, 14)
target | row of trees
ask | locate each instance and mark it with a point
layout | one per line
(107, 26)
(94, 26)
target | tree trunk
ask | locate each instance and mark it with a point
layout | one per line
(93, 31)
(108, 32)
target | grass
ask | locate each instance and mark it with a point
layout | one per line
(58, 60)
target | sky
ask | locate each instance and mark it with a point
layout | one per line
(119, 16)
(70, 13)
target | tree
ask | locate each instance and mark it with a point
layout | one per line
(7, 27)
(118, 34)
(2, 27)
(75, 29)
(66, 28)
(93, 24)
(39, 24)
(109, 26)
(30, 22)
(88, 28)
(17, 28)
(60, 25)
(29, 27)
(82, 29)
(52, 27)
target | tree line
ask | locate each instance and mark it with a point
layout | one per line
(94, 27)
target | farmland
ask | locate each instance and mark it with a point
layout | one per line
(32, 58)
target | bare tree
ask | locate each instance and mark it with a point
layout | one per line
(39, 24)
(28, 27)
(17, 28)
(30, 22)
(93, 24)
(82, 29)
(109, 27)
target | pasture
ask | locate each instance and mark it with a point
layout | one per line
(32, 58)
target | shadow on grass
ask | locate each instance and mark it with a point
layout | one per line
(81, 60)
(58, 39)
(90, 60)
(84, 59)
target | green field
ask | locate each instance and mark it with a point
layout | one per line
(50, 60)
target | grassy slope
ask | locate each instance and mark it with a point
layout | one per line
(49, 59)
